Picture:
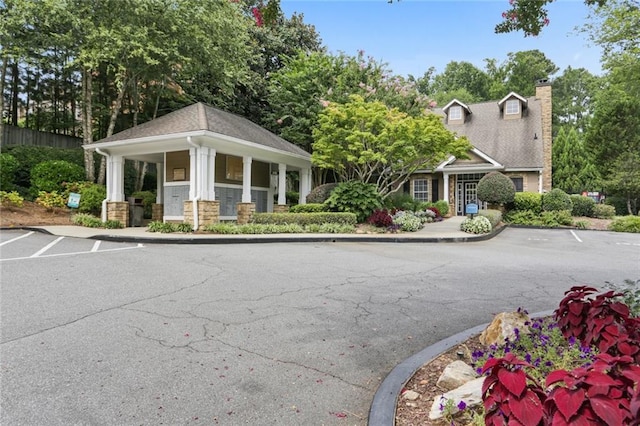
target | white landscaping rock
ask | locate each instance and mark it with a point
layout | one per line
(470, 393)
(410, 395)
(455, 375)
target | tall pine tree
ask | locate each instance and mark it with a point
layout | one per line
(573, 170)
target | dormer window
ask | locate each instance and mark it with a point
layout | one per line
(512, 107)
(455, 113)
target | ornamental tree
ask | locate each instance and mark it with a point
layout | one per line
(369, 142)
(496, 188)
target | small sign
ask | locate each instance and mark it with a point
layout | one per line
(74, 200)
(472, 208)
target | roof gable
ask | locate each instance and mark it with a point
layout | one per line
(510, 96)
(456, 102)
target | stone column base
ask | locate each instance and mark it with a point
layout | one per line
(208, 213)
(157, 212)
(245, 212)
(118, 210)
(281, 208)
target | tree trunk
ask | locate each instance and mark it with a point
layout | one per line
(3, 75)
(87, 128)
(14, 93)
(112, 125)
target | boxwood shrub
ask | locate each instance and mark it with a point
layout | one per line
(604, 211)
(304, 219)
(556, 200)
(308, 208)
(496, 188)
(582, 206)
(531, 201)
(320, 193)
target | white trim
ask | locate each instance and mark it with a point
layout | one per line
(172, 218)
(455, 101)
(512, 95)
(495, 165)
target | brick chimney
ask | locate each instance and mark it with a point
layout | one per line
(543, 94)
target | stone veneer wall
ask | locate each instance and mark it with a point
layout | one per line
(157, 212)
(118, 210)
(281, 208)
(208, 212)
(543, 93)
(245, 212)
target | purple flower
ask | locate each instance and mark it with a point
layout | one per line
(462, 405)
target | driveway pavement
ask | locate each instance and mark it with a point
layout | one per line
(295, 333)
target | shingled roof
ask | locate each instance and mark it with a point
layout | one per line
(515, 143)
(202, 117)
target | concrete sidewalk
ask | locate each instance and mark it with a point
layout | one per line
(446, 231)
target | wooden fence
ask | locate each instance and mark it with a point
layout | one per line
(19, 136)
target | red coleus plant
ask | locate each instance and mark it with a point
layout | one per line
(602, 393)
(601, 322)
(510, 396)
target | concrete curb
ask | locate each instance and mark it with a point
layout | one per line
(279, 238)
(383, 407)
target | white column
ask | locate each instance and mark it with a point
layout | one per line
(159, 183)
(446, 188)
(117, 178)
(282, 184)
(246, 179)
(211, 194)
(202, 175)
(193, 167)
(305, 185)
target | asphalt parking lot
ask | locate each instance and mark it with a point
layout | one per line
(109, 333)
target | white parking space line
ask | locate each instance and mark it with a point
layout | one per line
(95, 247)
(17, 238)
(575, 236)
(47, 247)
(627, 244)
(73, 254)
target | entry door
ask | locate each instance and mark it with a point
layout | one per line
(470, 193)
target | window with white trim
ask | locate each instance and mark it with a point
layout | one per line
(421, 189)
(518, 183)
(512, 107)
(455, 113)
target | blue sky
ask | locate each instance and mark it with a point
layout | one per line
(413, 35)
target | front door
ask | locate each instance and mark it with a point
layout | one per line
(466, 193)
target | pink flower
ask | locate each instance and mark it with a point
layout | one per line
(324, 103)
(279, 121)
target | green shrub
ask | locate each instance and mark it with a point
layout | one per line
(29, 156)
(407, 221)
(582, 206)
(91, 197)
(291, 228)
(553, 219)
(50, 176)
(626, 224)
(630, 295)
(292, 197)
(304, 219)
(523, 217)
(308, 208)
(494, 216)
(604, 211)
(8, 167)
(442, 206)
(556, 200)
(50, 200)
(11, 199)
(163, 227)
(531, 201)
(496, 188)
(403, 201)
(148, 200)
(477, 225)
(89, 221)
(320, 193)
(355, 197)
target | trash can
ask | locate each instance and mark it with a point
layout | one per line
(136, 211)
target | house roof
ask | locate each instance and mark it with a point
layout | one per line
(514, 143)
(200, 117)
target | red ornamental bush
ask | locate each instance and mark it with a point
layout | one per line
(606, 392)
(380, 219)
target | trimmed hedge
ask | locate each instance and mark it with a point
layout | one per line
(321, 193)
(582, 206)
(496, 188)
(556, 200)
(531, 201)
(304, 219)
(308, 208)
(604, 211)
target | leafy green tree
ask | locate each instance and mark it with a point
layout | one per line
(573, 169)
(524, 68)
(371, 143)
(624, 181)
(462, 75)
(573, 94)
